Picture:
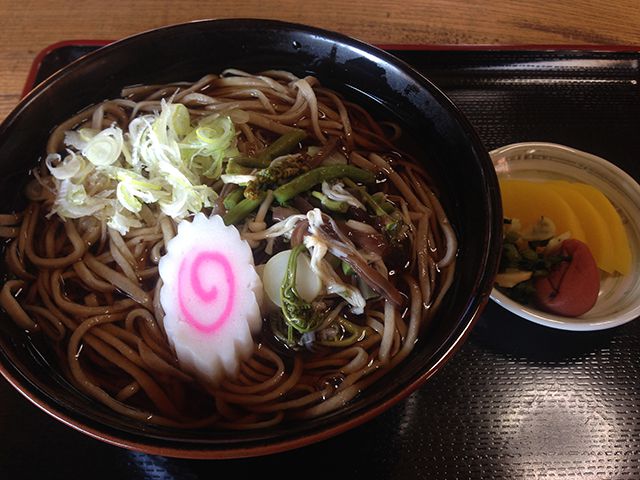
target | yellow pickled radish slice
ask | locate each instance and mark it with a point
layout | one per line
(598, 236)
(620, 246)
(528, 201)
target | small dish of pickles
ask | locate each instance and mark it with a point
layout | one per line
(571, 252)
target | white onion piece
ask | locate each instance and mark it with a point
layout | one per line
(308, 284)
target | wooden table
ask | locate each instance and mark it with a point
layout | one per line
(28, 26)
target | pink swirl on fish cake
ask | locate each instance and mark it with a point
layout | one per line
(190, 279)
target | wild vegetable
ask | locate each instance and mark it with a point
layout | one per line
(388, 216)
(554, 273)
(280, 170)
(318, 175)
(298, 313)
(282, 146)
(329, 204)
(242, 210)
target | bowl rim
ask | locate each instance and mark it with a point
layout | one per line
(477, 299)
(547, 319)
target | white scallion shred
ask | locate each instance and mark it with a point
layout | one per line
(165, 158)
(64, 169)
(105, 148)
(237, 178)
(79, 139)
(338, 193)
(333, 283)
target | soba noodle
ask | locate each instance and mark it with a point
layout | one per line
(94, 291)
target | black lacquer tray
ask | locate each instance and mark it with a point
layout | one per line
(518, 400)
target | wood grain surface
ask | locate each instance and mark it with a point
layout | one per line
(28, 26)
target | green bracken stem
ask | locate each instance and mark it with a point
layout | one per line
(333, 205)
(356, 333)
(233, 198)
(318, 175)
(368, 199)
(234, 167)
(297, 313)
(282, 146)
(241, 210)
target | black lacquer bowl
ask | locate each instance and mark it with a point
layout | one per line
(451, 150)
